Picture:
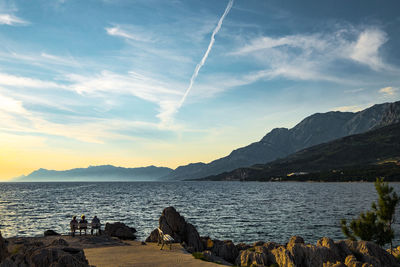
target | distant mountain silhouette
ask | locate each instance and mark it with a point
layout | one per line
(280, 142)
(98, 173)
(363, 156)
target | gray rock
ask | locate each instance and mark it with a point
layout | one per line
(120, 230)
(172, 223)
(60, 242)
(57, 254)
(50, 233)
(226, 250)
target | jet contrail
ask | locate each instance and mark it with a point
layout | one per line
(203, 60)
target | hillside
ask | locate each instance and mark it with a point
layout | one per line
(357, 157)
(97, 173)
(281, 142)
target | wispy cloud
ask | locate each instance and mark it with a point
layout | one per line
(312, 56)
(130, 33)
(20, 81)
(388, 91)
(366, 49)
(9, 19)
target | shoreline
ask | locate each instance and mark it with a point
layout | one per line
(104, 251)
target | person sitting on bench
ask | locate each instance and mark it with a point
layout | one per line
(73, 224)
(95, 225)
(82, 225)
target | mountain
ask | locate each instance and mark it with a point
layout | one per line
(281, 142)
(357, 157)
(98, 173)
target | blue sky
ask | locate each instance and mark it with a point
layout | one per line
(100, 81)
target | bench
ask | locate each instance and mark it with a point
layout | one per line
(84, 226)
(164, 239)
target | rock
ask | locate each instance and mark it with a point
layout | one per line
(295, 240)
(395, 252)
(337, 264)
(351, 261)
(242, 246)
(310, 255)
(60, 242)
(209, 256)
(172, 223)
(50, 233)
(282, 257)
(192, 237)
(251, 258)
(153, 237)
(225, 249)
(57, 254)
(120, 230)
(57, 257)
(207, 242)
(369, 252)
(3, 248)
(258, 243)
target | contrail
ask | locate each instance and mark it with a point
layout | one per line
(203, 60)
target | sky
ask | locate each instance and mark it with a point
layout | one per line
(152, 82)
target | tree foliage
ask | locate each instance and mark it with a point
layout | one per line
(375, 225)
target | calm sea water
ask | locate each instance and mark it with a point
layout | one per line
(242, 212)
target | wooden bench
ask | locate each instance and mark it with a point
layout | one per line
(164, 238)
(86, 226)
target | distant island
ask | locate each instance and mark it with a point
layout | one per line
(279, 153)
(97, 173)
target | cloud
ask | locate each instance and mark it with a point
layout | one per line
(8, 19)
(134, 84)
(10, 105)
(313, 56)
(366, 49)
(388, 91)
(19, 81)
(129, 33)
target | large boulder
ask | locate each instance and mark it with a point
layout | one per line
(250, 257)
(225, 249)
(120, 230)
(310, 255)
(57, 254)
(172, 223)
(371, 253)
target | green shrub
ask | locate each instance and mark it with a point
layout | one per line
(375, 225)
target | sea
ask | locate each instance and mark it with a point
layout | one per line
(237, 211)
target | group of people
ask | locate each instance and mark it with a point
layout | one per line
(82, 225)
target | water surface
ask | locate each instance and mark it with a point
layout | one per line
(242, 212)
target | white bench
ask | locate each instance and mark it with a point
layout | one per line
(164, 238)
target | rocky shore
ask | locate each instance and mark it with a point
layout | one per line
(55, 250)
(326, 253)
(59, 251)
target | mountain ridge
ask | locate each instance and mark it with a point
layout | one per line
(280, 142)
(367, 155)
